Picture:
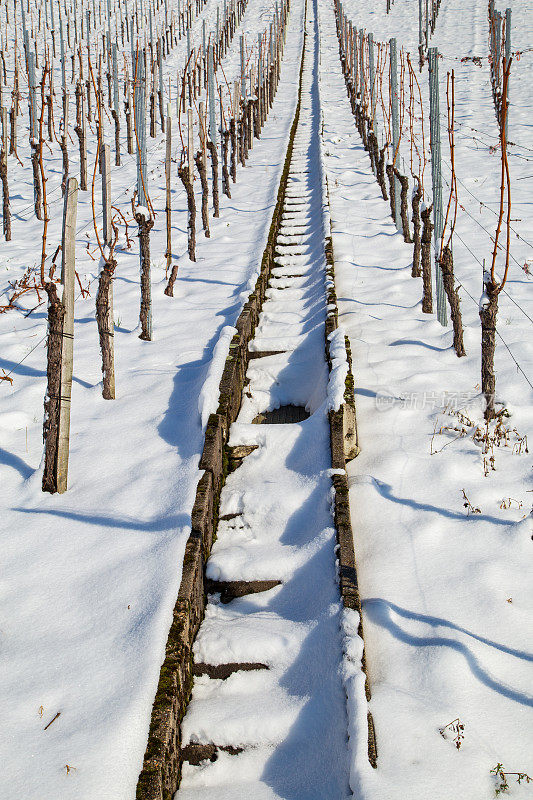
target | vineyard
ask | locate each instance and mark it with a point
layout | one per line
(265, 399)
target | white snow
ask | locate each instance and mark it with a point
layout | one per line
(90, 577)
(208, 397)
(446, 591)
(441, 522)
(339, 369)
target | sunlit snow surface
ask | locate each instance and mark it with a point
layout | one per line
(89, 579)
(446, 594)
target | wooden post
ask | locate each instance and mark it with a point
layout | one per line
(201, 164)
(68, 250)
(190, 145)
(64, 144)
(128, 109)
(168, 207)
(436, 177)
(116, 104)
(373, 95)
(212, 95)
(415, 204)
(235, 155)
(13, 129)
(6, 214)
(395, 113)
(421, 39)
(80, 133)
(56, 427)
(139, 100)
(214, 176)
(507, 59)
(106, 192)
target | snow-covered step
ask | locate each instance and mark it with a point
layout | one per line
(278, 730)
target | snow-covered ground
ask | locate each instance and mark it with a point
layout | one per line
(89, 578)
(446, 586)
(291, 719)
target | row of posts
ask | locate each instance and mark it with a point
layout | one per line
(61, 310)
(355, 39)
(428, 11)
(499, 33)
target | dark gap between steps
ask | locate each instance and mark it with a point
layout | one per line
(223, 671)
(229, 590)
(196, 753)
(284, 415)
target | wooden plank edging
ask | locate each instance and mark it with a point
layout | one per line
(344, 447)
(161, 771)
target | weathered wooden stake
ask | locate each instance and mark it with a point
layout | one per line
(507, 59)
(421, 38)
(190, 145)
(13, 130)
(225, 139)
(396, 215)
(417, 196)
(127, 111)
(214, 173)
(6, 214)
(233, 139)
(116, 104)
(80, 133)
(389, 169)
(168, 206)
(436, 176)
(201, 165)
(64, 144)
(56, 428)
(105, 168)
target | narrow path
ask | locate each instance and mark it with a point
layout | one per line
(267, 717)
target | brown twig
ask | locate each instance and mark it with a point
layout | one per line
(504, 183)
(52, 720)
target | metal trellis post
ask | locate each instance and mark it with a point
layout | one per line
(395, 130)
(436, 177)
